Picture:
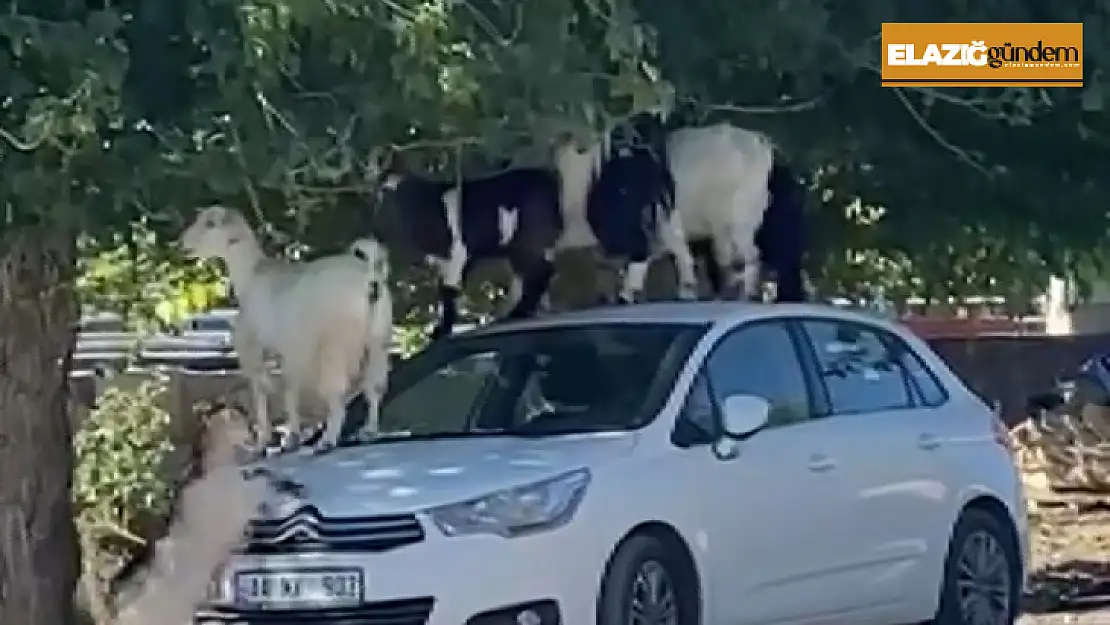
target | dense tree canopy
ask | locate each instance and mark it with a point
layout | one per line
(113, 114)
(281, 108)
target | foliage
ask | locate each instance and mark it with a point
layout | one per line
(137, 280)
(117, 120)
(410, 340)
(288, 110)
(121, 491)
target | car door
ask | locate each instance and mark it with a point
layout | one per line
(883, 436)
(764, 508)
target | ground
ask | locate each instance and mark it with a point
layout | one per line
(1078, 544)
(1095, 617)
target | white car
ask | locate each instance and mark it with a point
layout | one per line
(712, 463)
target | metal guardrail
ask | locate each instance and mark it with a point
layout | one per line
(197, 351)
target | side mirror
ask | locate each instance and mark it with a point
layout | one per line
(744, 415)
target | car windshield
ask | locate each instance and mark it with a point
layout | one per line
(556, 380)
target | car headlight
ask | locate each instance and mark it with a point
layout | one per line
(515, 511)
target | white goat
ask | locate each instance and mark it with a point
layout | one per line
(328, 321)
(721, 174)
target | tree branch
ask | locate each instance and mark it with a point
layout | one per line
(436, 144)
(959, 152)
(248, 185)
(773, 109)
(974, 105)
(26, 146)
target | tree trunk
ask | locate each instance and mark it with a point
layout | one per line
(39, 558)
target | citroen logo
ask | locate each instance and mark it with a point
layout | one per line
(306, 533)
(302, 526)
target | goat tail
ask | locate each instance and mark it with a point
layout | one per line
(765, 154)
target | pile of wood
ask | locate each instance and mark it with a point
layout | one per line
(1064, 456)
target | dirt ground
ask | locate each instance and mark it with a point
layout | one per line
(1070, 555)
(1094, 617)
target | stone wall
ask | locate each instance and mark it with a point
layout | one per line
(1010, 368)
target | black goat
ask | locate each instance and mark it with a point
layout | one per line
(623, 188)
(512, 215)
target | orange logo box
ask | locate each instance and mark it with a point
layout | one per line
(982, 55)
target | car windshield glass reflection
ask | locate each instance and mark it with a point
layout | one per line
(538, 382)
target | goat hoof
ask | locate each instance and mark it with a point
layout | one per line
(289, 442)
(365, 436)
(322, 447)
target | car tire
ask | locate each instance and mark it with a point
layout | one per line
(647, 573)
(983, 562)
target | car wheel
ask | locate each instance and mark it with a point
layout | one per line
(647, 583)
(982, 573)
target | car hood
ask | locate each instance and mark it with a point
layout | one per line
(409, 475)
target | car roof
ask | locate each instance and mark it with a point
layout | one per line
(727, 313)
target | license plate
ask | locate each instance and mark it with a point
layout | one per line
(295, 589)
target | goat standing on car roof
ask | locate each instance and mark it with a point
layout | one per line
(330, 321)
(742, 207)
(513, 215)
(619, 193)
(734, 203)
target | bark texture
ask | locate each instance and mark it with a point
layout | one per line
(39, 559)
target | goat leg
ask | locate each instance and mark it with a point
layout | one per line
(635, 276)
(714, 273)
(751, 281)
(449, 311)
(535, 284)
(673, 238)
(292, 402)
(789, 283)
(374, 380)
(263, 429)
(337, 412)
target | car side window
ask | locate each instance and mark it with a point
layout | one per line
(699, 409)
(929, 390)
(859, 370)
(761, 360)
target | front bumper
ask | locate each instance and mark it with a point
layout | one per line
(439, 581)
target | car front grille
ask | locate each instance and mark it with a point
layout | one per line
(398, 612)
(308, 530)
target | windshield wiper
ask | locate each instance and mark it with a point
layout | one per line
(520, 432)
(393, 437)
(536, 432)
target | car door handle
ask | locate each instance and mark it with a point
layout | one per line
(928, 442)
(821, 464)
